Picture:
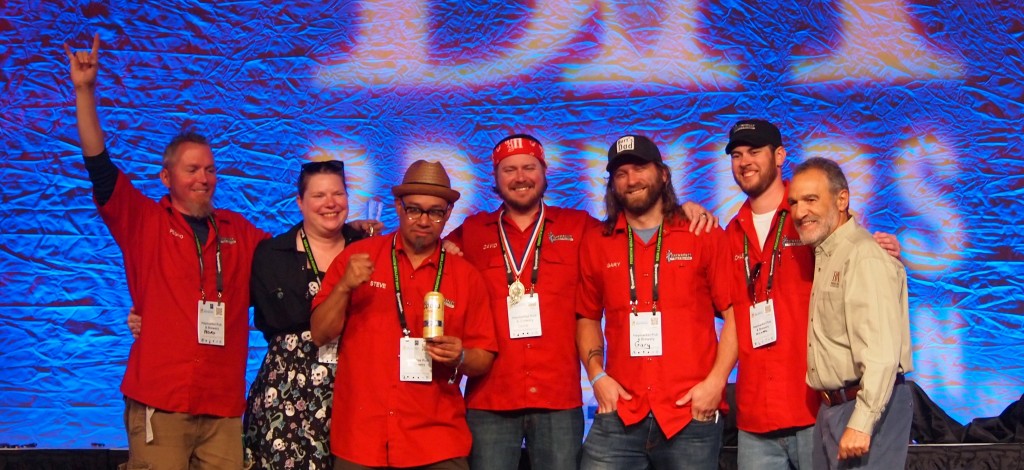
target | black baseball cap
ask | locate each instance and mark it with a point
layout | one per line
(755, 133)
(632, 149)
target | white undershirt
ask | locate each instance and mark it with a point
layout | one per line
(763, 225)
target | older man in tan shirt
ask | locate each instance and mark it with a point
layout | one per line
(858, 344)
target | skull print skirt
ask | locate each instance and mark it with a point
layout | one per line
(288, 412)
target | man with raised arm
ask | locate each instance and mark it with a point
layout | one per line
(187, 266)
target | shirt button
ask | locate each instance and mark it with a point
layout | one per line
(533, 389)
(529, 346)
(527, 373)
(392, 413)
(650, 388)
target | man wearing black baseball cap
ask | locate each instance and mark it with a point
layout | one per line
(658, 287)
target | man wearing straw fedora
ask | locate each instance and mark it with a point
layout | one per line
(397, 401)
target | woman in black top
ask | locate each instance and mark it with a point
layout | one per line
(288, 413)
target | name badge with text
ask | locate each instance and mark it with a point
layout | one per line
(644, 334)
(211, 323)
(524, 316)
(328, 353)
(414, 363)
(762, 323)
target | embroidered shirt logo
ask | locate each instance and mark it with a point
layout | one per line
(176, 234)
(670, 257)
(560, 238)
(613, 264)
(489, 246)
(835, 279)
(449, 303)
(378, 284)
(228, 240)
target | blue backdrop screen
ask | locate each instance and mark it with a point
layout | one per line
(922, 102)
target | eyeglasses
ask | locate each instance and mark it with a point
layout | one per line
(435, 215)
(334, 166)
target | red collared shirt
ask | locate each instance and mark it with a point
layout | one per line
(379, 420)
(694, 285)
(167, 367)
(771, 388)
(539, 372)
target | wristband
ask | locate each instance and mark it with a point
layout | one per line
(598, 377)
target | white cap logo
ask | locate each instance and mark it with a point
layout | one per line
(624, 144)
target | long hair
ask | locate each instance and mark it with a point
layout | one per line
(670, 208)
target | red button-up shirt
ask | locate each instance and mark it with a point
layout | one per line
(379, 420)
(771, 390)
(539, 372)
(694, 285)
(167, 367)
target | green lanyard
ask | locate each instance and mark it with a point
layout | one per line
(632, 271)
(199, 251)
(752, 273)
(309, 256)
(398, 286)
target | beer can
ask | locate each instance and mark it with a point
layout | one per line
(433, 315)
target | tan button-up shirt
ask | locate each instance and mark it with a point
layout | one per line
(859, 328)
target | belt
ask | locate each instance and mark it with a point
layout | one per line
(849, 393)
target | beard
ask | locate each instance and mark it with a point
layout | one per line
(199, 209)
(640, 206)
(764, 180)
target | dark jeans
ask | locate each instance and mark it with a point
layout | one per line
(553, 438)
(611, 445)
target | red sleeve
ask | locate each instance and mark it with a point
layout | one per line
(332, 277)
(589, 302)
(720, 275)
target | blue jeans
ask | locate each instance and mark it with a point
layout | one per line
(889, 441)
(611, 445)
(782, 450)
(553, 438)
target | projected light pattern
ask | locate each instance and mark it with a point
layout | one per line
(919, 101)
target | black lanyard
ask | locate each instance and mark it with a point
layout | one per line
(199, 251)
(309, 256)
(753, 273)
(632, 271)
(537, 239)
(398, 286)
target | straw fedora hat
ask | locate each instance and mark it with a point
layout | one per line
(426, 178)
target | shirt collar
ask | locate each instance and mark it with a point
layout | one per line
(843, 233)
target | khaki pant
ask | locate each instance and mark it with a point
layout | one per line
(181, 441)
(451, 464)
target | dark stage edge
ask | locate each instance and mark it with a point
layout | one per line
(923, 457)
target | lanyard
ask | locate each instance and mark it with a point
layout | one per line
(753, 273)
(199, 251)
(513, 268)
(632, 271)
(398, 286)
(309, 256)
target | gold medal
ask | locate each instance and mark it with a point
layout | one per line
(516, 291)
